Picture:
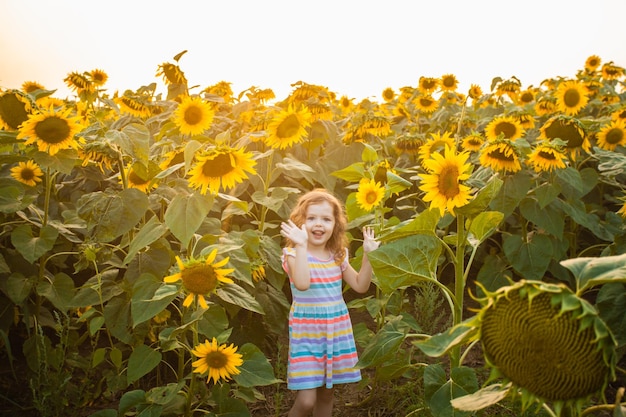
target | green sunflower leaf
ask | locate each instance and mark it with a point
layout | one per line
(256, 370)
(142, 360)
(185, 215)
(385, 344)
(592, 271)
(234, 294)
(33, 247)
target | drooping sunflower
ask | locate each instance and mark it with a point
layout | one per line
(101, 152)
(98, 77)
(437, 143)
(221, 166)
(619, 114)
(472, 142)
(369, 194)
(548, 342)
(510, 87)
(526, 97)
(475, 92)
(218, 361)
(193, 116)
(506, 127)
(135, 106)
(611, 72)
(14, 109)
(428, 85)
(449, 82)
(569, 130)
(320, 111)
(571, 97)
(375, 124)
(172, 158)
(426, 103)
(545, 107)
(288, 127)
(200, 278)
(388, 94)
(622, 210)
(501, 155)
(592, 63)
(345, 104)
(222, 89)
(442, 184)
(409, 143)
(79, 82)
(138, 178)
(31, 86)
(27, 173)
(547, 157)
(406, 93)
(171, 73)
(612, 135)
(52, 130)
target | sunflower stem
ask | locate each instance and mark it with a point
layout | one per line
(459, 285)
(266, 188)
(192, 380)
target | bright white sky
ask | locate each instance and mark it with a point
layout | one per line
(354, 47)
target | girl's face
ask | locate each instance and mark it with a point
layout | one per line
(320, 223)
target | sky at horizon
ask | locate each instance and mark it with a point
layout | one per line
(355, 48)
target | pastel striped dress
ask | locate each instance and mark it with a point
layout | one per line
(322, 351)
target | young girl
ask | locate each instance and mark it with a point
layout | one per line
(322, 351)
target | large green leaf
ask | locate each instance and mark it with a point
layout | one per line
(150, 297)
(547, 218)
(482, 398)
(424, 223)
(185, 215)
(111, 214)
(511, 193)
(59, 290)
(142, 360)
(256, 370)
(481, 201)
(385, 344)
(611, 304)
(32, 247)
(405, 262)
(437, 345)
(440, 391)
(149, 232)
(529, 258)
(12, 199)
(483, 226)
(234, 294)
(18, 287)
(590, 271)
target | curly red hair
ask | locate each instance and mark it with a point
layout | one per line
(338, 241)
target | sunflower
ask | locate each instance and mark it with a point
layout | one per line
(171, 74)
(569, 130)
(288, 127)
(571, 97)
(369, 194)
(101, 152)
(545, 107)
(305, 91)
(200, 278)
(409, 143)
(388, 94)
(442, 185)
(449, 82)
(258, 270)
(526, 120)
(219, 361)
(193, 116)
(475, 92)
(612, 135)
(377, 125)
(98, 77)
(138, 179)
(27, 173)
(611, 71)
(526, 97)
(436, 143)
(506, 127)
(221, 166)
(172, 158)
(134, 106)
(426, 103)
(428, 85)
(52, 130)
(622, 210)
(14, 109)
(472, 142)
(592, 63)
(509, 87)
(619, 114)
(547, 157)
(345, 104)
(320, 111)
(500, 155)
(79, 82)
(222, 89)
(548, 342)
(31, 86)
(406, 93)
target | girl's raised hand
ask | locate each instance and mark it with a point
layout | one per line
(297, 235)
(369, 242)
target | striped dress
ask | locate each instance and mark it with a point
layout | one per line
(322, 351)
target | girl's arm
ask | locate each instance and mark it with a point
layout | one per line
(298, 265)
(360, 281)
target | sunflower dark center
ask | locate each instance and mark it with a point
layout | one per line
(426, 102)
(193, 115)
(27, 174)
(429, 84)
(615, 136)
(371, 197)
(526, 97)
(448, 82)
(218, 166)
(566, 132)
(199, 279)
(546, 155)
(216, 360)
(501, 156)
(542, 350)
(12, 111)
(289, 127)
(572, 97)
(134, 178)
(507, 128)
(53, 130)
(448, 183)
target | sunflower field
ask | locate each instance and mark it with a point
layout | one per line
(140, 269)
